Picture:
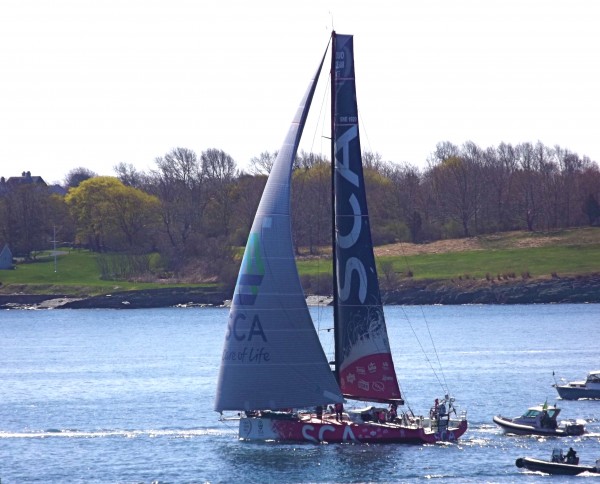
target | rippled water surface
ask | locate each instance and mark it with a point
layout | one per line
(126, 396)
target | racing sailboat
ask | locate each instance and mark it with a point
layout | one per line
(274, 372)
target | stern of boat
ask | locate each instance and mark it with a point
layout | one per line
(256, 428)
(444, 430)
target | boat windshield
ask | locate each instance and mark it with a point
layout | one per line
(593, 378)
(533, 412)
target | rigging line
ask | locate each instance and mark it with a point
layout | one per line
(422, 348)
(320, 120)
(435, 351)
(364, 135)
(320, 125)
(444, 385)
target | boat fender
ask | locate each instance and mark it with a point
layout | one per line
(519, 462)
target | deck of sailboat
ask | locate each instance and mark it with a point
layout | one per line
(426, 423)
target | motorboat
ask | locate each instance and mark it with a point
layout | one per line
(540, 420)
(559, 464)
(590, 388)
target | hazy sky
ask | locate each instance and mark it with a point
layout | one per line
(94, 83)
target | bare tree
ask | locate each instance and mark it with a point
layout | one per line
(406, 183)
(78, 175)
(178, 183)
(129, 175)
(457, 183)
(220, 172)
(263, 163)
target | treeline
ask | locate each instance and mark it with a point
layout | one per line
(192, 212)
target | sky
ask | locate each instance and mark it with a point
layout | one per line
(95, 83)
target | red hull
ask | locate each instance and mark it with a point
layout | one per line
(310, 429)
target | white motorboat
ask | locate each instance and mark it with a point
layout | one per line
(590, 388)
(540, 420)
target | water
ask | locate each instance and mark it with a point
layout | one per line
(126, 397)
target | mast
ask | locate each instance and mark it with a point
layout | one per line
(336, 329)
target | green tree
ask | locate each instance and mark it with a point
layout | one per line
(113, 217)
(25, 218)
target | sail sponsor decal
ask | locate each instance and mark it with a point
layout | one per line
(243, 329)
(323, 433)
(370, 375)
(252, 272)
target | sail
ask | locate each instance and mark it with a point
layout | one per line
(272, 357)
(363, 360)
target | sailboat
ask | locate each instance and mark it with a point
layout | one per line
(274, 372)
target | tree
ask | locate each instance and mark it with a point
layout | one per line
(248, 191)
(178, 182)
(78, 175)
(113, 217)
(311, 204)
(528, 185)
(591, 208)
(25, 218)
(129, 175)
(457, 184)
(220, 172)
(263, 163)
(406, 189)
(498, 169)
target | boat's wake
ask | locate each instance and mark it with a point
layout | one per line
(127, 434)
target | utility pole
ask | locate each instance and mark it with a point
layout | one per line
(54, 241)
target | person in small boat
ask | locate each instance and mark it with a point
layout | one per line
(319, 412)
(433, 413)
(547, 421)
(442, 409)
(571, 456)
(339, 409)
(393, 412)
(538, 420)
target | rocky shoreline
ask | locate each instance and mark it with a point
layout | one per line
(151, 298)
(579, 289)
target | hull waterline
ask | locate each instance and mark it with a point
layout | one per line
(574, 393)
(313, 430)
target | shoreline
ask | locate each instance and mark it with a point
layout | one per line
(557, 290)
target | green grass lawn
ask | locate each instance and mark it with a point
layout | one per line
(567, 253)
(538, 261)
(76, 272)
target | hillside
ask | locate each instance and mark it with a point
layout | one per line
(587, 236)
(506, 268)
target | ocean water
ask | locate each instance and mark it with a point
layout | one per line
(126, 396)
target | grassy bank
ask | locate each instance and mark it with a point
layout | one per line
(514, 254)
(73, 272)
